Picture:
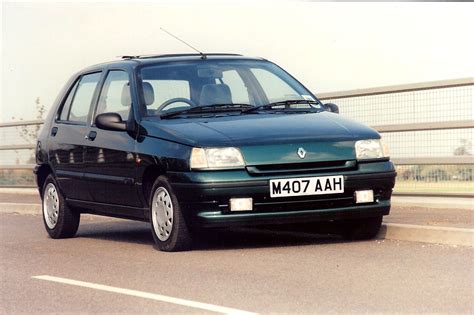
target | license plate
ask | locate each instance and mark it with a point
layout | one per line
(306, 186)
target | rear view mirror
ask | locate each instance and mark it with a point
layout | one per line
(333, 108)
(110, 121)
(209, 72)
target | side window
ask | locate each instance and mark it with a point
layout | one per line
(81, 96)
(237, 87)
(67, 104)
(275, 88)
(115, 95)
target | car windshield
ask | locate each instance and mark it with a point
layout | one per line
(178, 86)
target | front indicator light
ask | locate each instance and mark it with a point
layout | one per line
(241, 204)
(364, 196)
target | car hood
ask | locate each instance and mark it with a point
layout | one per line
(266, 139)
(255, 129)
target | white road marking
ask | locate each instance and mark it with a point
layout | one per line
(146, 295)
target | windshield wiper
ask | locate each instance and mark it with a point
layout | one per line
(208, 109)
(287, 105)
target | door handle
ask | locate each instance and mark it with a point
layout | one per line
(91, 136)
(54, 131)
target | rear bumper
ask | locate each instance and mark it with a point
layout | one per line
(207, 203)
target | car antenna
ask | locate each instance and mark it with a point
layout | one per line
(203, 56)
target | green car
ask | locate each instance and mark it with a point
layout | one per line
(198, 141)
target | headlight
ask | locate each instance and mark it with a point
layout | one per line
(370, 149)
(216, 158)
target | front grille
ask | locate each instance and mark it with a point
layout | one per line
(304, 204)
(311, 167)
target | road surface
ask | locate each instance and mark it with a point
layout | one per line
(112, 267)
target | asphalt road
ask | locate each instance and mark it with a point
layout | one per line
(249, 270)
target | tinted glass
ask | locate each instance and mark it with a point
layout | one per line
(240, 94)
(165, 90)
(115, 95)
(82, 101)
(275, 88)
(208, 82)
(67, 103)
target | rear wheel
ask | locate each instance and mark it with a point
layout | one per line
(168, 226)
(361, 229)
(59, 220)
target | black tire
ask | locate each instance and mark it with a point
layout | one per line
(67, 221)
(179, 238)
(361, 229)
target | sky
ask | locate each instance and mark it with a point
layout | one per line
(327, 46)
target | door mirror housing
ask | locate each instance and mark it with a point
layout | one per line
(110, 121)
(333, 108)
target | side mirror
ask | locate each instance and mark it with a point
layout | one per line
(110, 121)
(333, 108)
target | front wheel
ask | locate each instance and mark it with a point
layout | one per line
(59, 220)
(361, 229)
(168, 226)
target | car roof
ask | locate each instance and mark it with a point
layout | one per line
(136, 60)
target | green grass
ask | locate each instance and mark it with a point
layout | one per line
(442, 186)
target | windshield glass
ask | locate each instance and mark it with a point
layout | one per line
(176, 86)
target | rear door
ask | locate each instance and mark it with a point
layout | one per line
(67, 136)
(110, 167)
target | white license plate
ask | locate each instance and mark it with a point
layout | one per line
(306, 186)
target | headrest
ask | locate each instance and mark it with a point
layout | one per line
(148, 93)
(215, 94)
(126, 99)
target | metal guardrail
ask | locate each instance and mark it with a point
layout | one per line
(386, 128)
(398, 88)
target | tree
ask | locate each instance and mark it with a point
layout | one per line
(464, 148)
(30, 133)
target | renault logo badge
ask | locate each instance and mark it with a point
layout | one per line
(301, 153)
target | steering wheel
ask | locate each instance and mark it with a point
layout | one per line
(175, 100)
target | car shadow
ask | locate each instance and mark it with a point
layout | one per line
(118, 230)
(261, 237)
(216, 239)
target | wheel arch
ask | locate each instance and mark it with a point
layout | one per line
(42, 172)
(150, 174)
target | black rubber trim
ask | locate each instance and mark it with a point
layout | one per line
(96, 177)
(371, 176)
(254, 183)
(69, 174)
(249, 218)
(119, 211)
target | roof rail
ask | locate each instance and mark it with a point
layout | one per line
(175, 55)
(129, 57)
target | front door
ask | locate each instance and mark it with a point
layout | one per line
(110, 167)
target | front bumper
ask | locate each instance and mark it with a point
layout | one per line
(204, 197)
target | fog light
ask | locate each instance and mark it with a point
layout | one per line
(364, 196)
(241, 204)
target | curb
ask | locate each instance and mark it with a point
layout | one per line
(389, 231)
(21, 208)
(427, 234)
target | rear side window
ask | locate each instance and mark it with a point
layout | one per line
(67, 104)
(115, 95)
(78, 103)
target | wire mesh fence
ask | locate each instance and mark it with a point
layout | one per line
(443, 152)
(432, 145)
